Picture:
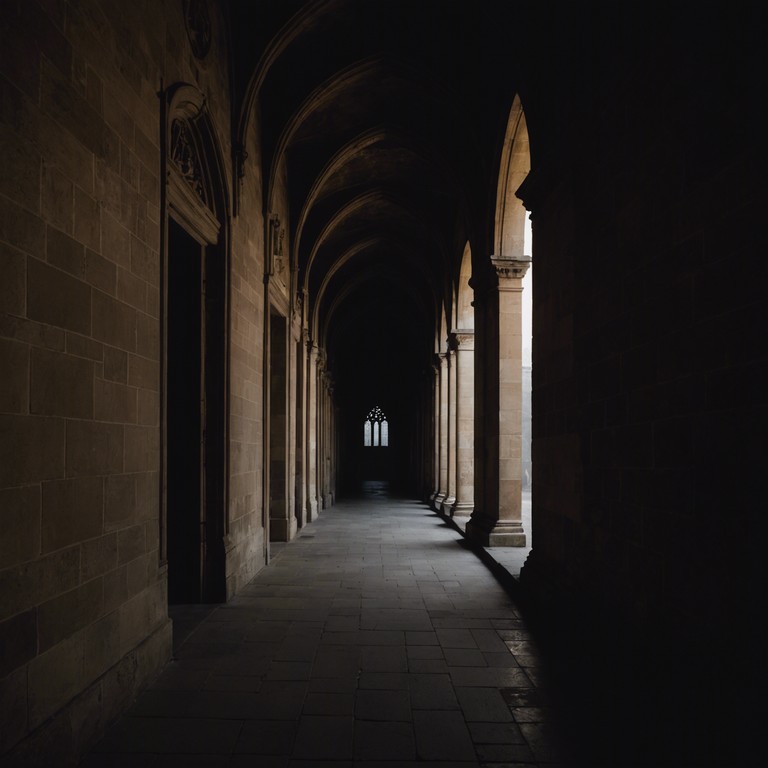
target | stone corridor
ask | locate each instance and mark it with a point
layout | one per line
(377, 637)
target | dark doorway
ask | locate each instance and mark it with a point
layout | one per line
(195, 425)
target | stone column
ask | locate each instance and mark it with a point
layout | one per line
(320, 463)
(464, 356)
(334, 446)
(311, 416)
(497, 521)
(442, 420)
(450, 493)
(325, 443)
(301, 428)
(435, 430)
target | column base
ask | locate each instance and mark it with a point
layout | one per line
(437, 501)
(312, 512)
(495, 533)
(462, 509)
(447, 505)
(282, 529)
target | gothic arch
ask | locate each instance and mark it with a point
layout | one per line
(465, 312)
(509, 225)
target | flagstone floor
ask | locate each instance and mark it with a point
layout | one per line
(376, 638)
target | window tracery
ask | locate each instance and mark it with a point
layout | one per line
(185, 158)
(376, 429)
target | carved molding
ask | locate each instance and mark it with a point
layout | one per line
(276, 261)
(197, 219)
(185, 157)
(510, 268)
(463, 339)
(197, 20)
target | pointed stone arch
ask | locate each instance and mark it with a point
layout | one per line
(497, 518)
(462, 343)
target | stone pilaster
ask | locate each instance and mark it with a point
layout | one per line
(434, 431)
(311, 417)
(497, 520)
(442, 432)
(450, 493)
(463, 342)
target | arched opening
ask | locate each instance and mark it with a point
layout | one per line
(497, 519)
(463, 347)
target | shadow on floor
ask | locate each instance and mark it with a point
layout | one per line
(186, 619)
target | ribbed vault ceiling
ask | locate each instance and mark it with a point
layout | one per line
(386, 118)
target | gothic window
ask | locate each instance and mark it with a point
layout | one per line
(376, 429)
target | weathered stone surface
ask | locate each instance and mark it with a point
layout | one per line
(23, 229)
(114, 322)
(14, 383)
(18, 640)
(143, 372)
(20, 515)
(57, 298)
(94, 448)
(148, 408)
(102, 645)
(38, 580)
(147, 336)
(98, 556)
(145, 263)
(37, 334)
(142, 449)
(100, 272)
(55, 677)
(115, 365)
(13, 289)
(60, 100)
(114, 402)
(82, 346)
(120, 501)
(31, 449)
(65, 253)
(73, 510)
(115, 240)
(131, 543)
(13, 708)
(66, 614)
(20, 180)
(115, 588)
(87, 220)
(61, 385)
(131, 289)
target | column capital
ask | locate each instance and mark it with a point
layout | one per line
(462, 339)
(509, 267)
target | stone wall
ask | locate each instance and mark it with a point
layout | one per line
(83, 608)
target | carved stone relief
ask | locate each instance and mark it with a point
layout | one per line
(198, 23)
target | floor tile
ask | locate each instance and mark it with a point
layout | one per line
(374, 639)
